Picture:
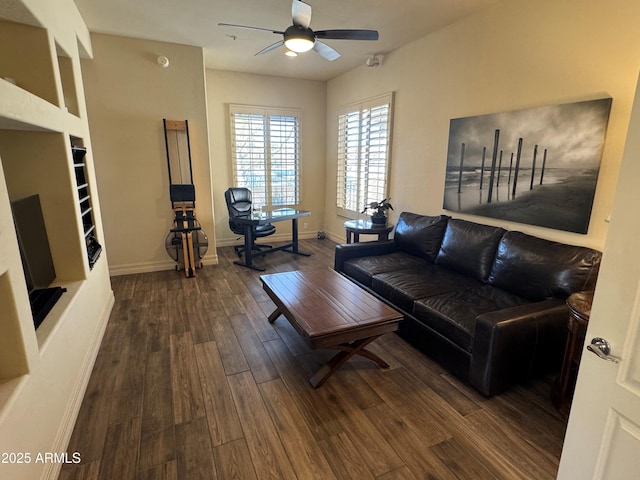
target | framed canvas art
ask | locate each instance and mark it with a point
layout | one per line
(537, 166)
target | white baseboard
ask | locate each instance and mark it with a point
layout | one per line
(335, 238)
(210, 259)
(61, 442)
(147, 267)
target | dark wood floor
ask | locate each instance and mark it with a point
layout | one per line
(192, 382)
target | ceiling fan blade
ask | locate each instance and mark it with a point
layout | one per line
(325, 51)
(301, 13)
(347, 34)
(271, 47)
(250, 28)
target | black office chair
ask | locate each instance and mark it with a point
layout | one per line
(239, 205)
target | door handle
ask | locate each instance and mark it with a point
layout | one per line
(602, 349)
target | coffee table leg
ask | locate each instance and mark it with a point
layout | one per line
(365, 353)
(347, 350)
(276, 313)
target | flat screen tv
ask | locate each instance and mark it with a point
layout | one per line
(36, 256)
(33, 241)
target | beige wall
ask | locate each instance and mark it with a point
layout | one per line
(224, 88)
(128, 94)
(513, 56)
(519, 54)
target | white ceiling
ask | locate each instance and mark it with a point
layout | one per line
(195, 22)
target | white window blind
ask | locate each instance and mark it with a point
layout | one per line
(364, 132)
(266, 154)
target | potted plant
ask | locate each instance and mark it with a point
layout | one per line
(379, 216)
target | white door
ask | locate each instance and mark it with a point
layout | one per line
(603, 434)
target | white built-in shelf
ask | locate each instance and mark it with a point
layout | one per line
(22, 110)
(40, 84)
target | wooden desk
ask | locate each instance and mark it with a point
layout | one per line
(263, 218)
(579, 311)
(329, 311)
(357, 227)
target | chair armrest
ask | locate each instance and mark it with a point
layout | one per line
(511, 344)
(348, 251)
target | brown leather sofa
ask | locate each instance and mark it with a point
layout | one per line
(487, 303)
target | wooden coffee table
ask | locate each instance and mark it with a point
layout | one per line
(329, 311)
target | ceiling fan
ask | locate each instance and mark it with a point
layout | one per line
(300, 38)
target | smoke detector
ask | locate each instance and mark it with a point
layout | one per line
(163, 61)
(373, 61)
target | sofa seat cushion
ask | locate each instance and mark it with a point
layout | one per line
(469, 248)
(402, 287)
(453, 314)
(538, 269)
(362, 269)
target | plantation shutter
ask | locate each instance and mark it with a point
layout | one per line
(266, 154)
(285, 179)
(364, 132)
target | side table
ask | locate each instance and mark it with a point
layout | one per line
(579, 311)
(358, 227)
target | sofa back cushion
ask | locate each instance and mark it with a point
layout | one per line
(536, 269)
(469, 248)
(420, 235)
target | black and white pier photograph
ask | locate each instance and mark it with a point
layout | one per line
(537, 166)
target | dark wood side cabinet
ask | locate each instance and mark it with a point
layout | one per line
(357, 227)
(579, 311)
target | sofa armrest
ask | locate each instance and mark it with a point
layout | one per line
(348, 251)
(510, 344)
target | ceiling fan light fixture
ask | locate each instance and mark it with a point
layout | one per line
(298, 39)
(299, 45)
(290, 53)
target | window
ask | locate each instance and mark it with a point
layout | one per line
(266, 154)
(364, 132)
